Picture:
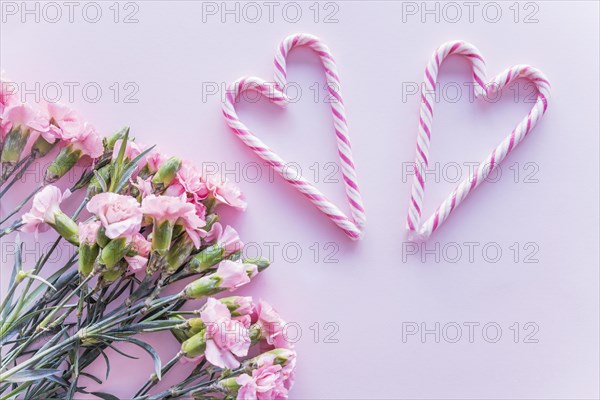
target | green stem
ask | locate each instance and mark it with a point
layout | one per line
(153, 380)
(27, 161)
(38, 356)
(17, 208)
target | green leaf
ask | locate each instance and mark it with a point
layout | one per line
(150, 350)
(122, 352)
(27, 375)
(45, 282)
(58, 380)
(92, 377)
(105, 396)
(129, 169)
(101, 181)
(107, 362)
(118, 163)
(17, 267)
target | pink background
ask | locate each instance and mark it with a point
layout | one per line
(374, 288)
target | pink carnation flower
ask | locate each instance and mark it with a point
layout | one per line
(264, 384)
(225, 337)
(227, 193)
(288, 369)
(45, 205)
(155, 159)
(272, 325)
(142, 247)
(65, 123)
(188, 180)
(121, 216)
(8, 97)
(26, 117)
(177, 211)
(88, 141)
(244, 309)
(88, 231)
(227, 239)
(232, 274)
(144, 186)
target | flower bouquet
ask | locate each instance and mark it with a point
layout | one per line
(147, 225)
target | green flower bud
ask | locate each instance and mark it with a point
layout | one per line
(111, 274)
(210, 256)
(41, 147)
(109, 142)
(180, 334)
(255, 334)
(205, 286)
(64, 161)
(281, 356)
(261, 262)
(21, 275)
(232, 304)
(230, 385)
(178, 253)
(101, 237)
(193, 326)
(14, 143)
(87, 258)
(194, 346)
(144, 172)
(66, 227)
(166, 173)
(196, 325)
(113, 252)
(162, 232)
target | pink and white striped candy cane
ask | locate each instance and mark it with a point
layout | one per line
(419, 231)
(353, 226)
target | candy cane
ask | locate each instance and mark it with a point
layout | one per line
(460, 193)
(353, 226)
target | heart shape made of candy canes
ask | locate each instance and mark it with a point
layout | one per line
(353, 226)
(418, 231)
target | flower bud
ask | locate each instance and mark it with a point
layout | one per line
(14, 143)
(229, 385)
(178, 253)
(166, 173)
(180, 334)
(101, 237)
(111, 274)
(229, 276)
(205, 286)
(87, 258)
(194, 346)
(109, 142)
(162, 233)
(64, 161)
(41, 147)
(114, 251)
(193, 326)
(255, 334)
(66, 227)
(196, 325)
(210, 256)
(279, 356)
(261, 263)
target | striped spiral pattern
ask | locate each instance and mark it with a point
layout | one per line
(353, 226)
(418, 231)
